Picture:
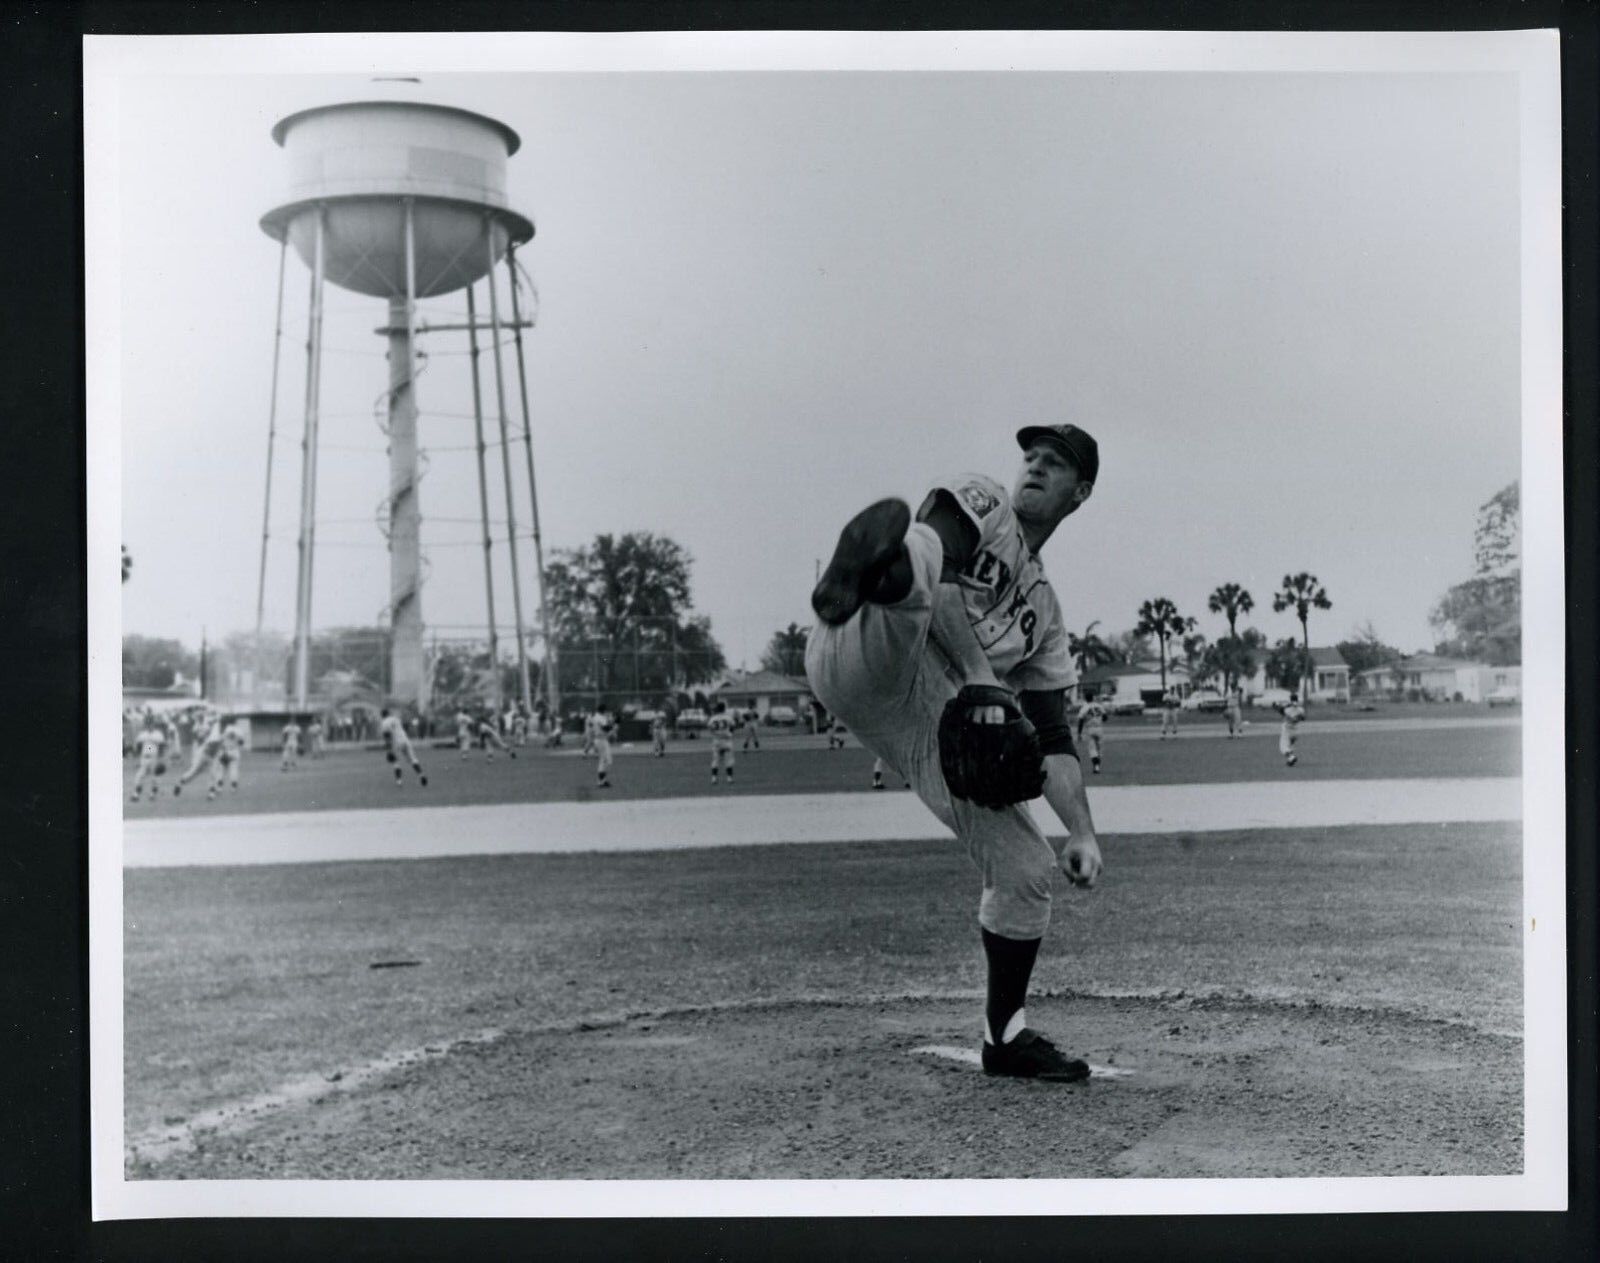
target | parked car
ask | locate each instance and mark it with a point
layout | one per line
(1505, 695)
(1204, 699)
(1273, 699)
(782, 715)
(1124, 706)
(692, 721)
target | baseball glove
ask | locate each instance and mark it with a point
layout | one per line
(988, 750)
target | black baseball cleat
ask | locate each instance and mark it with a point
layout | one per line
(1031, 1056)
(868, 545)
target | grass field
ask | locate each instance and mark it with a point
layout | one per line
(792, 764)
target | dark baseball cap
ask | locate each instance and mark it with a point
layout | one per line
(1080, 448)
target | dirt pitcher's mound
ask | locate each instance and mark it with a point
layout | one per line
(810, 1090)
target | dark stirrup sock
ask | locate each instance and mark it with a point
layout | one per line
(1010, 967)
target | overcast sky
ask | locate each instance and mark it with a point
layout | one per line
(1286, 305)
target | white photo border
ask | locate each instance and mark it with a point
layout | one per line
(1533, 56)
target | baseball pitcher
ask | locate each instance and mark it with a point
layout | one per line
(941, 644)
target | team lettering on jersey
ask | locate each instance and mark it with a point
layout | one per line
(1010, 604)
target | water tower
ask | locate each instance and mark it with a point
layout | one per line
(402, 200)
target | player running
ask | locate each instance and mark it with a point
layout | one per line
(149, 742)
(1289, 734)
(396, 742)
(1091, 726)
(291, 745)
(910, 612)
(207, 747)
(487, 731)
(721, 730)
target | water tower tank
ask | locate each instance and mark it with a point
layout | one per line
(399, 200)
(361, 159)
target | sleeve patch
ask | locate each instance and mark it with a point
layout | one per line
(980, 501)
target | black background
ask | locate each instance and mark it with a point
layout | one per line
(44, 1062)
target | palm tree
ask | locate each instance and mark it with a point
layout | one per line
(1159, 617)
(1088, 650)
(1301, 592)
(1231, 600)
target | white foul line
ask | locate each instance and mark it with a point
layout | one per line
(753, 820)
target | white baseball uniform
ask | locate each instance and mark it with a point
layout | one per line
(879, 674)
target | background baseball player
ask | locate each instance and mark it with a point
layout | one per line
(1091, 729)
(912, 612)
(836, 734)
(1289, 733)
(487, 730)
(604, 729)
(658, 734)
(463, 732)
(721, 729)
(149, 742)
(396, 743)
(747, 726)
(1233, 711)
(291, 744)
(207, 746)
(315, 738)
(1169, 712)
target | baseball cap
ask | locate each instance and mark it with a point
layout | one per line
(1077, 444)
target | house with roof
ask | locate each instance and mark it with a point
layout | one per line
(761, 691)
(1439, 678)
(1128, 682)
(1329, 680)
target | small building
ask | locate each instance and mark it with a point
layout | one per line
(761, 691)
(1329, 681)
(1437, 678)
(1129, 682)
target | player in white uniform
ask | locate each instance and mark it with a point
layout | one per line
(604, 729)
(1289, 734)
(1233, 711)
(747, 726)
(314, 738)
(487, 730)
(1169, 713)
(230, 760)
(1091, 727)
(720, 728)
(291, 744)
(396, 743)
(588, 734)
(911, 612)
(463, 732)
(207, 746)
(658, 734)
(836, 734)
(519, 725)
(150, 742)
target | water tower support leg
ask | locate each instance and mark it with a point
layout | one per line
(308, 474)
(552, 676)
(272, 434)
(483, 497)
(505, 467)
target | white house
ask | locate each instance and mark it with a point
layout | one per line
(762, 690)
(1329, 680)
(1440, 679)
(1131, 682)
